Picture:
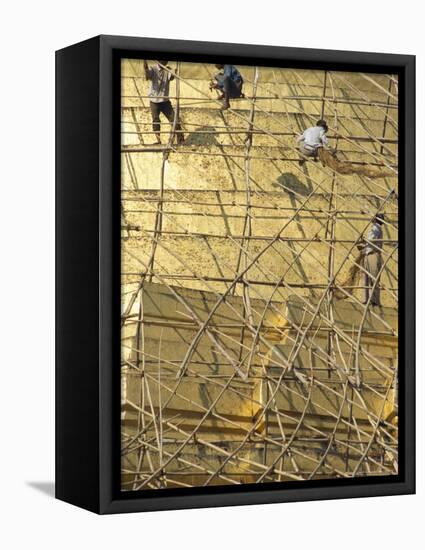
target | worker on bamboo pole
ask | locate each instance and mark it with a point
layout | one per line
(313, 143)
(229, 82)
(160, 76)
(367, 266)
(312, 140)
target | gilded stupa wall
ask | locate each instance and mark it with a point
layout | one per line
(239, 363)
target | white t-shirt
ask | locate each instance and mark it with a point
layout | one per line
(314, 137)
(160, 84)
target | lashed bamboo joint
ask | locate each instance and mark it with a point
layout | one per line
(240, 361)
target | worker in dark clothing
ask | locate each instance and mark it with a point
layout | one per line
(229, 81)
(159, 92)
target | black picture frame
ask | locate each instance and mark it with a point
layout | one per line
(88, 278)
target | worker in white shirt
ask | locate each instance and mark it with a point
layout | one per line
(312, 140)
(372, 261)
(366, 268)
(313, 143)
(160, 77)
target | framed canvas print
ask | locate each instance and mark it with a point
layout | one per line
(235, 274)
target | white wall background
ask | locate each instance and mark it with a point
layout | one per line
(30, 32)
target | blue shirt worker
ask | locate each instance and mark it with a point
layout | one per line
(310, 141)
(160, 77)
(229, 81)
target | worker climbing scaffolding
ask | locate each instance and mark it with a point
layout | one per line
(366, 266)
(229, 82)
(312, 140)
(314, 143)
(160, 77)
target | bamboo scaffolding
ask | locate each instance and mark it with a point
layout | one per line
(163, 450)
(272, 241)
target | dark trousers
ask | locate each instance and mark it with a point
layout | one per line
(166, 109)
